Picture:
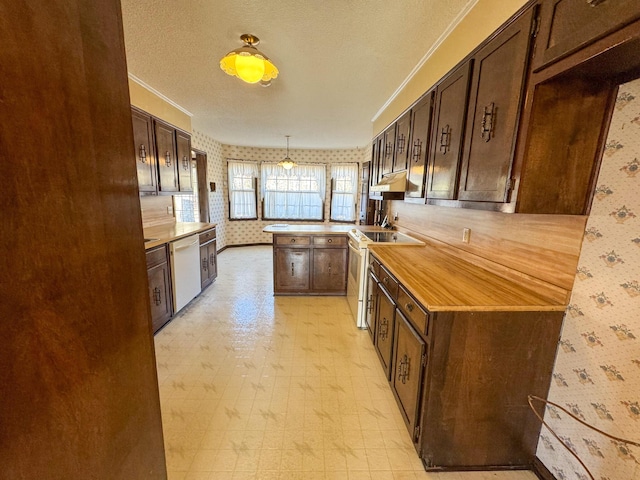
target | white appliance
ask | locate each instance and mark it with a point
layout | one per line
(185, 270)
(359, 242)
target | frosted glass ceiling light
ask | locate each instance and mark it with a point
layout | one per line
(287, 163)
(248, 63)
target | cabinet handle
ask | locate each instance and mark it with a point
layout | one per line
(388, 149)
(403, 369)
(594, 3)
(212, 259)
(487, 121)
(292, 274)
(157, 296)
(370, 304)
(330, 240)
(204, 264)
(385, 280)
(185, 163)
(417, 150)
(167, 158)
(143, 153)
(329, 268)
(409, 307)
(293, 240)
(400, 143)
(384, 329)
(445, 139)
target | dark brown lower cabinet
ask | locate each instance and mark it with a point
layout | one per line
(310, 264)
(385, 329)
(372, 304)
(410, 358)
(159, 286)
(208, 258)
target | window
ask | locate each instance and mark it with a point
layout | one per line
(344, 189)
(186, 208)
(242, 190)
(296, 194)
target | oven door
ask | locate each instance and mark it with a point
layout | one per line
(355, 283)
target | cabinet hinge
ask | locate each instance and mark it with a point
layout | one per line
(424, 359)
(535, 28)
(511, 183)
(416, 433)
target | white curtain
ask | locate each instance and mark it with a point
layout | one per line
(296, 194)
(344, 179)
(242, 193)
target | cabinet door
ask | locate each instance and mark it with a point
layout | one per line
(448, 130)
(371, 304)
(384, 329)
(204, 266)
(418, 147)
(159, 295)
(144, 151)
(495, 103)
(403, 130)
(386, 155)
(329, 269)
(567, 25)
(213, 260)
(292, 269)
(410, 355)
(183, 144)
(166, 152)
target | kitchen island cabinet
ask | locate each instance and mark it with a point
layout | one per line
(468, 347)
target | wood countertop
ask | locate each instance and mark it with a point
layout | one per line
(319, 229)
(160, 234)
(443, 282)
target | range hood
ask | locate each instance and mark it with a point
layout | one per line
(391, 182)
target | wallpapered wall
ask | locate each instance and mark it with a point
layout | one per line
(597, 371)
(242, 232)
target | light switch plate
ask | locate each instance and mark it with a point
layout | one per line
(466, 235)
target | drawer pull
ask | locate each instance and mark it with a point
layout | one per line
(330, 240)
(595, 3)
(292, 274)
(409, 307)
(403, 369)
(143, 153)
(385, 280)
(157, 296)
(293, 240)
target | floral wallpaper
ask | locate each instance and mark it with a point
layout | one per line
(242, 232)
(597, 370)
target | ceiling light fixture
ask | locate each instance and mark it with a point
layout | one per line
(287, 163)
(248, 63)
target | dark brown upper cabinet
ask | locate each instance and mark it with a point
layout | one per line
(388, 149)
(376, 160)
(167, 162)
(497, 86)
(567, 25)
(183, 146)
(145, 155)
(403, 130)
(418, 148)
(448, 132)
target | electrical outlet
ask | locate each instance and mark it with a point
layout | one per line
(395, 216)
(466, 235)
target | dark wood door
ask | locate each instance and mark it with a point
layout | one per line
(213, 260)
(448, 131)
(329, 269)
(388, 149)
(410, 353)
(384, 329)
(419, 146)
(183, 145)
(495, 104)
(145, 156)
(371, 304)
(160, 295)
(567, 25)
(205, 278)
(403, 130)
(166, 153)
(292, 269)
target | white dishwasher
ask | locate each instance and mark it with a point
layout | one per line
(185, 270)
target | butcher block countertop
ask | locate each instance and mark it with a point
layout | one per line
(443, 282)
(319, 229)
(160, 234)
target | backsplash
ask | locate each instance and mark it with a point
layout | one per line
(597, 370)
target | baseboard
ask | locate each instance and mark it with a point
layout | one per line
(541, 470)
(243, 245)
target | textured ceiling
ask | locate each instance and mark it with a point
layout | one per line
(339, 62)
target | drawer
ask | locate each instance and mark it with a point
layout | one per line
(292, 240)
(389, 283)
(330, 241)
(417, 315)
(156, 256)
(207, 236)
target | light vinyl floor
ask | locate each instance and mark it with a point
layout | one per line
(254, 386)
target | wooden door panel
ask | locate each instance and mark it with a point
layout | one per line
(418, 147)
(183, 144)
(385, 330)
(159, 295)
(166, 152)
(371, 305)
(292, 269)
(329, 268)
(144, 152)
(388, 148)
(403, 130)
(495, 102)
(448, 132)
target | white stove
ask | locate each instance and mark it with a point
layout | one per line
(359, 242)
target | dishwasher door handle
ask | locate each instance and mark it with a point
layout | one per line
(182, 246)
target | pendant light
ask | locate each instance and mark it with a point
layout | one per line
(287, 163)
(248, 63)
